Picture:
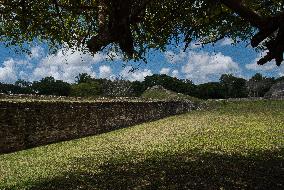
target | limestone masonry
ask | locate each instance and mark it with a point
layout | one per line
(25, 125)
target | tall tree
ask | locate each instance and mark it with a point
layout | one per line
(50, 86)
(138, 25)
(171, 83)
(89, 89)
(83, 78)
(258, 85)
(23, 87)
(211, 90)
(234, 87)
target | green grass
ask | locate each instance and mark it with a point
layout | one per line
(236, 145)
(164, 94)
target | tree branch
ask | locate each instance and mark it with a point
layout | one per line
(103, 38)
(253, 17)
(114, 20)
(77, 8)
(267, 27)
(59, 15)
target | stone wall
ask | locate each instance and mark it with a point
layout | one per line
(276, 91)
(25, 125)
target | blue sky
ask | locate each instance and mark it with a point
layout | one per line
(196, 63)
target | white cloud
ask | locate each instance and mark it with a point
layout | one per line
(267, 68)
(105, 71)
(66, 65)
(165, 71)
(10, 68)
(113, 56)
(199, 66)
(204, 67)
(175, 73)
(196, 45)
(261, 68)
(137, 75)
(7, 72)
(24, 76)
(36, 53)
(226, 42)
(175, 58)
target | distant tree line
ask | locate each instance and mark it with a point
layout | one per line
(228, 86)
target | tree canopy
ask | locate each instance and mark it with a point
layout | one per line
(228, 86)
(135, 26)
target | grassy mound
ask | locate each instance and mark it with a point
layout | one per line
(238, 145)
(160, 93)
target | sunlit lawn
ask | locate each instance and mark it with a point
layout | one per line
(234, 146)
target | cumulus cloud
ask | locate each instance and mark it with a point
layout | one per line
(66, 65)
(204, 67)
(9, 72)
(261, 68)
(175, 73)
(137, 75)
(113, 56)
(196, 45)
(36, 53)
(105, 71)
(165, 71)
(174, 58)
(226, 42)
(265, 69)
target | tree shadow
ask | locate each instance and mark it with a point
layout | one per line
(262, 170)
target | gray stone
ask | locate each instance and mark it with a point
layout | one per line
(30, 124)
(276, 91)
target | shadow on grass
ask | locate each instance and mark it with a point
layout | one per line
(198, 171)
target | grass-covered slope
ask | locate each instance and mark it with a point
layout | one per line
(236, 146)
(160, 93)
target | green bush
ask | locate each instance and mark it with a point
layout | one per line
(50, 86)
(86, 89)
